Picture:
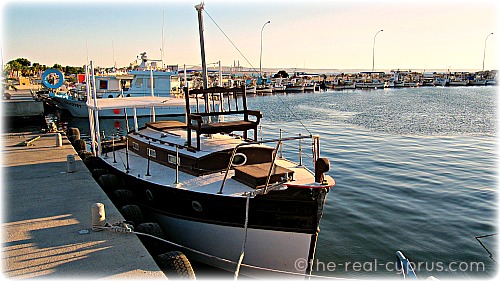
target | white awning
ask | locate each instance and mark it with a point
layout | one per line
(136, 102)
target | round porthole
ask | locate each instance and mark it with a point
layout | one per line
(149, 195)
(239, 159)
(196, 206)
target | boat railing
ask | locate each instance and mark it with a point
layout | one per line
(279, 143)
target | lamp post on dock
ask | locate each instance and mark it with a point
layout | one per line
(260, 61)
(484, 52)
(373, 49)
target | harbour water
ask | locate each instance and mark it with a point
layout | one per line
(415, 170)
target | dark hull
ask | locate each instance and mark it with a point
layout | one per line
(292, 210)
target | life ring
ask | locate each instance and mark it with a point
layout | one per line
(46, 82)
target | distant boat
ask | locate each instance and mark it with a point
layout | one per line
(277, 87)
(491, 82)
(251, 89)
(264, 90)
(294, 88)
(310, 87)
(342, 85)
(411, 84)
(478, 82)
(370, 85)
(294, 85)
(441, 82)
(458, 82)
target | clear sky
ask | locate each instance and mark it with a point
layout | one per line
(329, 34)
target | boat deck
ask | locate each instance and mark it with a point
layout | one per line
(211, 183)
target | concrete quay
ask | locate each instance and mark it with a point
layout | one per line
(22, 105)
(47, 218)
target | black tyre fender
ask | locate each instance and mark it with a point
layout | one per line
(96, 173)
(85, 154)
(153, 245)
(132, 213)
(80, 145)
(73, 134)
(110, 182)
(176, 265)
(123, 197)
(93, 162)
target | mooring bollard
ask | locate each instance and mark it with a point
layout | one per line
(70, 159)
(58, 140)
(98, 216)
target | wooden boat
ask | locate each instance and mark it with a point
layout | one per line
(211, 193)
(216, 192)
(225, 198)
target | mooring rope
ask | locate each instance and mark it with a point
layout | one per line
(247, 208)
(125, 229)
(484, 236)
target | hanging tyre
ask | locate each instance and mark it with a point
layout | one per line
(93, 162)
(153, 245)
(85, 154)
(176, 265)
(132, 213)
(123, 197)
(110, 183)
(80, 145)
(96, 173)
(73, 134)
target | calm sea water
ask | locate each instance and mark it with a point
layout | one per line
(416, 171)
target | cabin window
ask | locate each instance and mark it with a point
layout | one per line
(171, 160)
(135, 146)
(103, 85)
(151, 152)
(138, 83)
(148, 83)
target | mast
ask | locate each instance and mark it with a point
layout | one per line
(199, 8)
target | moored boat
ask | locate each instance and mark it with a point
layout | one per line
(143, 82)
(213, 191)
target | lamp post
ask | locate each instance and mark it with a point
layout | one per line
(484, 52)
(260, 61)
(373, 49)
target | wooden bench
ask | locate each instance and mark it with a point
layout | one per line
(165, 125)
(218, 101)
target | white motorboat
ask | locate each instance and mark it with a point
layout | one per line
(144, 82)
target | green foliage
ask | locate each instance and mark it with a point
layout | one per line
(282, 74)
(24, 67)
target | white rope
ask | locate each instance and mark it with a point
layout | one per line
(247, 208)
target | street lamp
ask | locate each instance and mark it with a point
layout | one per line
(373, 49)
(484, 52)
(260, 62)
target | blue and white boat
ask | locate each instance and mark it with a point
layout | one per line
(144, 82)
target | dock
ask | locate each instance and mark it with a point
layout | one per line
(47, 218)
(21, 104)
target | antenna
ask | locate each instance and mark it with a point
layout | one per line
(162, 38)
(87, 47)
(113, 47)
